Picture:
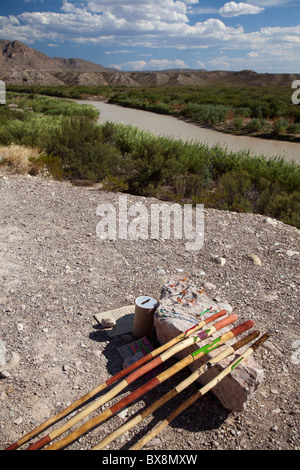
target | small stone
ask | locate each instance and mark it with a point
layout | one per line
(219, 260)
(161, 271)
(108, 322)
(276, 411)
(155, 442)
(4, 374)
(256, 260)
(270, 221)
(209, 286)
(20, 327)
(123, 414)
(18, 421)
(225, 306)
(291, 253)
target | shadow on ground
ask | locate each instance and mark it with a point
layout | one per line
(204, 415)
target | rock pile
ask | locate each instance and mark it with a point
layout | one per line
(181, 306)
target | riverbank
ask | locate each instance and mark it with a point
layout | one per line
(249, 110)
(122, 157)
(169, 126)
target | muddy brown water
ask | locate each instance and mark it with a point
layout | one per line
(170, 126)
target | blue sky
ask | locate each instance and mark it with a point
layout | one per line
(161, 34)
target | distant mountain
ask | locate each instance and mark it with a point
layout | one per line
(16, 56)
(22, 65)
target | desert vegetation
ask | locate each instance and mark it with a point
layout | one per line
(64, 141)
(262, 111)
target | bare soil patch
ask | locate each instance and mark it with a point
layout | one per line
(56, 274)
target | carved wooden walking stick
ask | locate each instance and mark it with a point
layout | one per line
(143, 389)
(128, 380)
(52, 420)
(175, 391)
(160, 426)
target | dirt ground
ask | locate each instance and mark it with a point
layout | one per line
(56, 274)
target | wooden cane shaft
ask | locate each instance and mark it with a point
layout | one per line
(139, 392)
(136, 419)
(190, 401)
(122, 403)
(78, 432)
(178, 388)
(218, 326)
(46, 424)
(134, 376)
(231, 349)
(164, 423)
(78, 417)
(112, 393)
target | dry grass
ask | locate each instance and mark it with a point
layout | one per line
(19, 159)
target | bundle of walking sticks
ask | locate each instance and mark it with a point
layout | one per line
(89, 402)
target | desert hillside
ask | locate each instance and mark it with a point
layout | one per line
(20, 64)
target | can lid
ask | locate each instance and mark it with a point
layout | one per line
(145, 301)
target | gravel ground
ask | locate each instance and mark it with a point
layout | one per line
(56, 274)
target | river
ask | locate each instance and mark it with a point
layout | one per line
(170, 126)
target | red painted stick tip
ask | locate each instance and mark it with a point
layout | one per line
(243, 327)
(226, 321)
(214, 317)
(13, 446)
(40, 443)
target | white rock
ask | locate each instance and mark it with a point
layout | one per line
(270, 221)
(256, 260)
(236, 389)
(18, 420)
(108, 322)
(291, 253)
(209, 286)
(219, 260)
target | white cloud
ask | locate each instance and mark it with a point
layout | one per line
(153, 64)
(270, 3)
(165, 63)
(127, 25)
(237, 9)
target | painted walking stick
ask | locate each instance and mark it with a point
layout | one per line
(142, 390)
(52, 420)
(128, 380)
(175, 391)
(160, 426)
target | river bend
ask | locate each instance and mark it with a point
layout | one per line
(170, 126)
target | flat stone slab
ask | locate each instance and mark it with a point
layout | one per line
(181, 306)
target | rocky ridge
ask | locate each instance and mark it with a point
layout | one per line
(23, 65)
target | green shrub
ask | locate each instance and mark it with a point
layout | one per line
(78, 142)
(280, 126)
(254, 125)
(294, 128)
(238, 123)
